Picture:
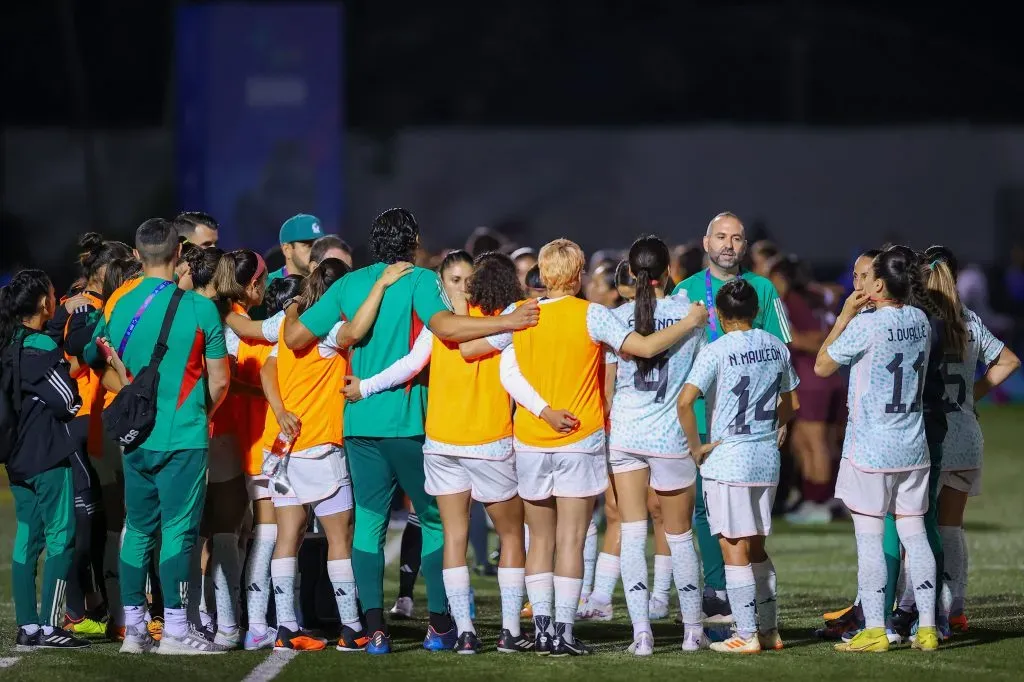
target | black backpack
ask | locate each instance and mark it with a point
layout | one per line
(10, 399)
(131, 416)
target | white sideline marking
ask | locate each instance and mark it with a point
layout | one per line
(8, 662)
(272, 666)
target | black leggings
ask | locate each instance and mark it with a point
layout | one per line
(86, 574)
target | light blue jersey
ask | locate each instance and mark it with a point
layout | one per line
(643, 416)
(741, 376)
(963, 445)
(887, 350)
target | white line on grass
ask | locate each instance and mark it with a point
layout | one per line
(8, 662)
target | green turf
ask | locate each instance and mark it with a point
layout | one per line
(816, 569)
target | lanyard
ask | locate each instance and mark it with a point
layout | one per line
(709, 300)
(135, 320)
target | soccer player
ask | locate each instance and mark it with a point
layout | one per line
(330, 246)
(165, 474)
(885, 453)
(197, 228)
(646, 447)
(963, 444)
(749, 383)
(39, 468)
(525, 259)
(297, 236)
(384, 433)
(560, 453)
(725, 243)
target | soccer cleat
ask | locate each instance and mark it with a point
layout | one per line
(809, 514)
(527, 611)
(770, 641)
(694, 640)
(228, 639)
(868, 640)
(836, 615)
(85, 627)
(738, 645)
(657, 609)
(514, 644)
(851, 620)
(254, 642)
(57, 639)
(402, 610)
(542, 643)
(716, 610)
(926, 639)
(192, 643)
(440, 641)
(958, 623)
(297, 641)
(26, 642)
(156, 628)
(468, 643)
(890, 634)
(643, 645)
(563, 646)
(350, 640)
(903, 621)
(137, 640)
(596, 610)
(379, 644)
(114, 633)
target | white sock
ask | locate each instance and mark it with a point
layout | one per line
(686, 573)
(662, 587)
(175, 622)
(921, 563)
(112, 576)
(589, 558)
(767, 595)
(741, 588)
(567, 600)
(134, 616)
(48, 630)
(456, 585)
(540, 590)
(227, 579)
(257, 575)
(606, 576)
(512, 583)
(871, 572)
(343, 581)
(633, 561)
(952, 550)
(282, 573)
(30, 629)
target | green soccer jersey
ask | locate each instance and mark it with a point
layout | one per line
(196, 335)
(771, 313)
(407, 306)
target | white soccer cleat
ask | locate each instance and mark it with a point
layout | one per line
(657, 608)
(192, 643)
(402, 609)
(738, 645)
(137, 640)
(694, 639)
(643, 645)
(770, 641)
(228, 639)
(595, 610)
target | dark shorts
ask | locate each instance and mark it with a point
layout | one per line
(822, 400)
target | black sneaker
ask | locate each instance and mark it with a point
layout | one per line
(902, 621)
(350, 640)
(564, 646)
(27, 642)
(716, 610)
(59, 639)
(542, 643)
(513, 644)
(468, 643)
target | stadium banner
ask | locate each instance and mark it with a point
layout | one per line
(259, 130)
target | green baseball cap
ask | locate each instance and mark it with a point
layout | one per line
(300, 228)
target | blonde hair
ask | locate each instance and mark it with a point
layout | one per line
(561, 264)
(942, 291)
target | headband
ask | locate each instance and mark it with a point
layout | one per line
(261, 268)
(934, 263)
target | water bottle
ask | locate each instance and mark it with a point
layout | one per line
(282, 448)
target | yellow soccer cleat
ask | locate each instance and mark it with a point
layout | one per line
(85, 627)
(156, 628)
(927, 639)
(836, 615)
(738, 645)
(867, 641)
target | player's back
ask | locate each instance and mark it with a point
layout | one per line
(643, 416)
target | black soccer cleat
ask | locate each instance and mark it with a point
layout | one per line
(58, 639)
(902, 621)
(468, 643)
(562, 646)
(514, 644)
(542, 643)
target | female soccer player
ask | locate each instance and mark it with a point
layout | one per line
(470, 458)
(885, 452)
(37, 379)
(963, 445)
(304, 388)
(562, 470)
(749, 383)
(646, 447)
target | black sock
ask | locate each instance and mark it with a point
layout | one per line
(411, 555)
(375, 621)
(441, 622)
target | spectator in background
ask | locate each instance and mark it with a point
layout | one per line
(534, 286)
(601, 285)
(330, 246)
(197, 228)
(686, 260)
(1015, 277)
(972, 285)
(762, 254)
(484, 239)
(625, 282)
(525, 259)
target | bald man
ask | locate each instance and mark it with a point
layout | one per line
(725, 242)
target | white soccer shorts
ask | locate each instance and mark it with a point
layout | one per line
(966, 481)
(487, 480)
(561, 474)
(877, 493)
(738, 511)
(667, 473)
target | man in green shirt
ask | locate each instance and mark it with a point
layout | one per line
(296, 238)
(384, 433)
(165, 475)
(725, 242)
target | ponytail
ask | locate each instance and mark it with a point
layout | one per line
(236, 272)
(946, 300)
(319, 281)
(96, 253)
(19, 300)
(648, 259)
